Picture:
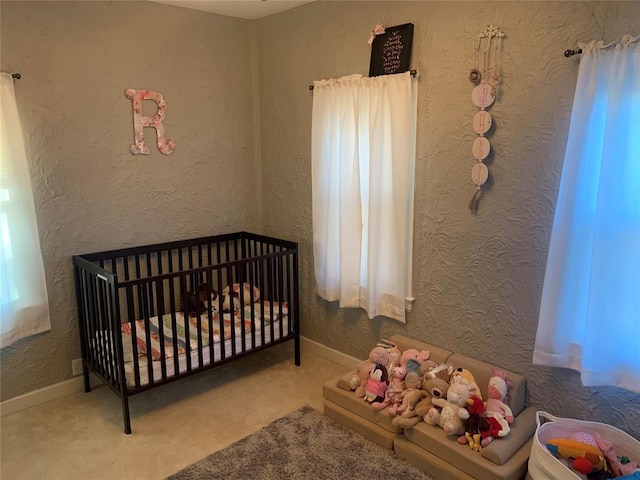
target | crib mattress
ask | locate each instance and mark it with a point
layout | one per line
(206, 353)
(186, 344)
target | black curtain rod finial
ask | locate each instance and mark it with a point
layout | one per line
(571, 53)
(16, 76)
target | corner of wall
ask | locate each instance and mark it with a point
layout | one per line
(257, 140)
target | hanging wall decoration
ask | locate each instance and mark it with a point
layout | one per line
(390, 49)
(140, 121)
(485, 74)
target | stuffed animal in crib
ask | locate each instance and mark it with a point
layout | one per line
(395, 392)
(226, 302)
(246, 292)
(376, 384)
(359, 379)
(496, 409)
(453, 412)
(194, 303)
(228, 293)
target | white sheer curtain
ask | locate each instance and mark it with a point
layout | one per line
(590, 310)
(363, 159)
(24, 307)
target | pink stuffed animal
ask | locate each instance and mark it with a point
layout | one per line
(359, 380)
(607, 449)
(496, 409)
(394, 394)
(377, 384)
(412, 358)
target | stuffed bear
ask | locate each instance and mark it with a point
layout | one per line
(359, 380)
(496, 409)
(395, 392)
(434, 388)
(376, 384)
(451, 417)
(437, 388)
(412, 358)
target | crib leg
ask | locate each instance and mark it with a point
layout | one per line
(297, 350)
(85, 376)
(125, 414)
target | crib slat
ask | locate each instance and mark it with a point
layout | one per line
(223, 354)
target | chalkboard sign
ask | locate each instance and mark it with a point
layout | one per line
(391, 51)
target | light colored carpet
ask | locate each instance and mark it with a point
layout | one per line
(300, 446)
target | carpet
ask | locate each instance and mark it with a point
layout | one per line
(302, 445)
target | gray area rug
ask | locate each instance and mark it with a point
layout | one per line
(302, 445)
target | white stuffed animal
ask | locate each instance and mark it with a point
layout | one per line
(246, 290)
(453, 414)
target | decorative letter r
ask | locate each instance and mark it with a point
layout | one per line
(140, 121)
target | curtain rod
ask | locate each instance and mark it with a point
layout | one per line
(16, 76)
(412, 72)
(571, 53)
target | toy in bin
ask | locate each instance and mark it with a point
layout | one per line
(591, 454)
(587, 458)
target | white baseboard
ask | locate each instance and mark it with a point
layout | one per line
(75, 384)
(46, 394)
(310, 346)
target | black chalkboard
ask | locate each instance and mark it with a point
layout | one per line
(391, 51)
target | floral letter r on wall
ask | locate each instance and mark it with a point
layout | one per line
(140, 121)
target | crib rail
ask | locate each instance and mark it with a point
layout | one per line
(132, 310)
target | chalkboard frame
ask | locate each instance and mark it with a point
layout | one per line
(377, 64)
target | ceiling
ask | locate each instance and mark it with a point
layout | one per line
(249, 9)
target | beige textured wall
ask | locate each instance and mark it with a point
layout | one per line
(76, 60)
(477, 278)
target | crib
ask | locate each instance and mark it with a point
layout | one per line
(136, 331)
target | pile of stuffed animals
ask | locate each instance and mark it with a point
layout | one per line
(414, 388)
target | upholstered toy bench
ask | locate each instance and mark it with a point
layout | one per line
(429, 447)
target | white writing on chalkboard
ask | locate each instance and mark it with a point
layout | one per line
(391, 51)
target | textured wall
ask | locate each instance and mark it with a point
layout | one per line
(76, 59)
(477, 278)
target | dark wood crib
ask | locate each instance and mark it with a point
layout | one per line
(154, 314)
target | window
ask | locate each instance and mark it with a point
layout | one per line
(24, 308)
(590, 309)
(363, 158)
